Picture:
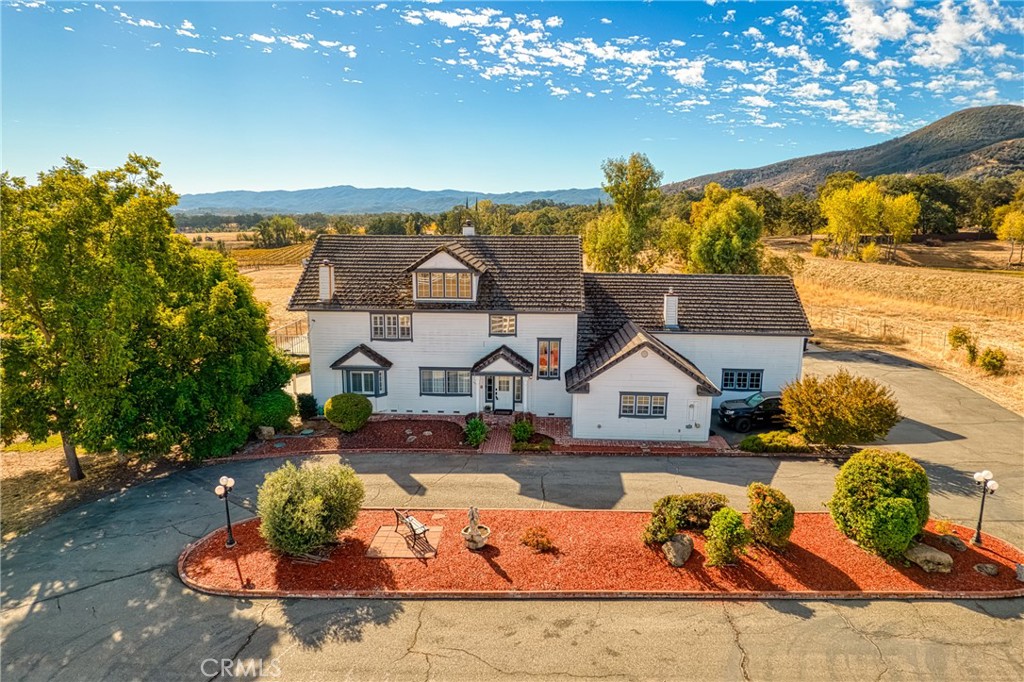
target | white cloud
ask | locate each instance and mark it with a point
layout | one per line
(295, 42)
(754, 33)
(259, 38)
(605, 20)
(850, 65)
(558, 92)
(553, 22)
(735, 65)
(688, 73)
(793, 14)
(146, 23)
(187, 25)
(196, 50)
(943, 44)
(187, 34)
(380, 6)
(866, 26)
(885, 67)
(756, 101)
(462, 17)
(227, 38)
(68, 28)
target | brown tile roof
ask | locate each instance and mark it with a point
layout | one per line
(507, 354)
(766, 305)
(522, 273)
(370, 353)
(627, 340)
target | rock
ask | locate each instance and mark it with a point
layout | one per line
(428, 433)
(987, 569)
(954, 542)
(408, 432)
(279, 444)
(1020, 572)
(928, 558)
(306, 432)
(264, 432)
(678, 549)
(410, 439)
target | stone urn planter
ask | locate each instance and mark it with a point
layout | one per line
(475, 534)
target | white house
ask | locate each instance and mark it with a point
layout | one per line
(461, 324)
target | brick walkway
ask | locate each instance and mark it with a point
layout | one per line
(499, 441)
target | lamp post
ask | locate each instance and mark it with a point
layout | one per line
(988, 487)
(222, 490)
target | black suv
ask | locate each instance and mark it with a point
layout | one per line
(760, 409)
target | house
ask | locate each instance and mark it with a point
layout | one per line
(460, 324)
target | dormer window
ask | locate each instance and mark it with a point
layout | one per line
(444, 285)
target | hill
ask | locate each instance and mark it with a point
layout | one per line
(348, 199)
(975, 143)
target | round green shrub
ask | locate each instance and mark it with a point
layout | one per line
(274, 408)
(992, 360)
(774, 441)
(726, 535)
(681, 512)
(866, 507)
(348, 411)
(475, 432)
(772, 515)
(521, 431)
(303, 509)
(307, 406)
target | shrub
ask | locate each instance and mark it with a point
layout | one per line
(273, 409)
(537, 539)
(774, 441)
(992, 360)
(961, 337)
(943, 527)
(677, 512)
(348, 411)
(303, 509)
(302, 366)
(726, 535)
(840, 408)
(819, 250)
(476, 432)
(307, 406)
(881, 500)
(870, 253)
(772, 515)
(521, 431)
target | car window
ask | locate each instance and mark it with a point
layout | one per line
(754, 400)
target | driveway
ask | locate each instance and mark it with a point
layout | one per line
(94, 595)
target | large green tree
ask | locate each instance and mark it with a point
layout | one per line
(729, 239)
(635, 187)
(862, 209)
(276, 231)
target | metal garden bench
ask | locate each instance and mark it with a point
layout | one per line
(416, 528)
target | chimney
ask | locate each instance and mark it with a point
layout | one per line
(670, 311)
(326, 281)
(468, 229)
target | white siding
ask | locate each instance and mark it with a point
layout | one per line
(596, 414)
(442, 261)
(440, 340)
(781, 357)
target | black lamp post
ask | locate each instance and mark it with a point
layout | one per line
(222, 490)
(988, 487)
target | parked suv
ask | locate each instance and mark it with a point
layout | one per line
(760, 409)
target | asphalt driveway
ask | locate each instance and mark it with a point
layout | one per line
(93, 594)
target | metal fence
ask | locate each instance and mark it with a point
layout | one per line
(895, 332)
(292, 338)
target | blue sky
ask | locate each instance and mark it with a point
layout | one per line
(488, 97)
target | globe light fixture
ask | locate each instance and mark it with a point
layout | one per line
(988, 487)
(227, 484)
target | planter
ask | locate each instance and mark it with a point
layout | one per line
(475, 541)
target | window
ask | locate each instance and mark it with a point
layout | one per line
(547, 358)
(741, 379)
(390, 327)
(649, 405)
(366, 381)
(452, 285)
(445, 382)
(503, 325)
(517, 390)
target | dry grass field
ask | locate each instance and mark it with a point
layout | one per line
(232, 240)
(286, 255)
(274, 286)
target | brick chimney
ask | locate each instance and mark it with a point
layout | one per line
(326, 281)
(670, 310)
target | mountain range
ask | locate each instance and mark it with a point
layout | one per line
(974, 143)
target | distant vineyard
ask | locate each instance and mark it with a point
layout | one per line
(286, 255)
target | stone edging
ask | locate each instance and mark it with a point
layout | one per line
(570, 594)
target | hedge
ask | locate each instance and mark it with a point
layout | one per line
(348, 411)
(274, 408)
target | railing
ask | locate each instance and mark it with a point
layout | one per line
(292, 338)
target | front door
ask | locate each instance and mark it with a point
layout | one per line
(503, 393)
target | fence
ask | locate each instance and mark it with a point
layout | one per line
(292, 338)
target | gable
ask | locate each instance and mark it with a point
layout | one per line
(442, 261)
(498, 366)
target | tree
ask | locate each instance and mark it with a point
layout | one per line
(635, 187)
(862, 209)
(899, 215)
(1011, 229)
(387, 223)
(605, 242)
(714, 196)
(275, 232)
(729, 240)
(770, 204)
(800, 215)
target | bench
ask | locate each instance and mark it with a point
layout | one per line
(415, 526)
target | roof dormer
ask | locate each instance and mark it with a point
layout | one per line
(449, 273)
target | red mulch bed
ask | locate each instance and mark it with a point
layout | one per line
(599, 554)
(386, 434)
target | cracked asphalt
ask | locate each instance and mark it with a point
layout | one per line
(94, 595)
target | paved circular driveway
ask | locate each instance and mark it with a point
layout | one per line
(93, 594)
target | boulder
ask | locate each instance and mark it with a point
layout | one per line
(928, 558)
(264, 432)
(408, 432)
(678, 549)
(1020, 572)
(410, 439)
(307, 432)
(954, 542)
(428, 433)
(988, 569)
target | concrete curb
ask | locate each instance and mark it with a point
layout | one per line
(570, 595)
